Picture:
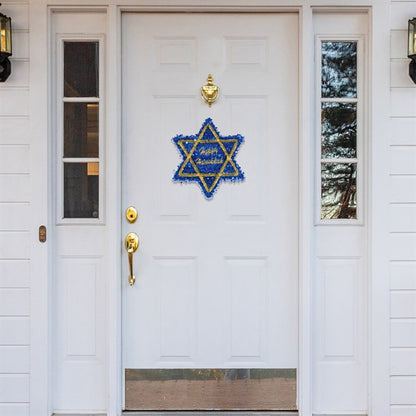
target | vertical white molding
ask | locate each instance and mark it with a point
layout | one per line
(306, 198)
(379, 60)
(39, 304)
(115, 383)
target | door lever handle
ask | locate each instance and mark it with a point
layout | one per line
(131, 244)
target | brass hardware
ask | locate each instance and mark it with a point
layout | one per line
(131, 214)
(42, 233)
(131, 244)
(209, 91)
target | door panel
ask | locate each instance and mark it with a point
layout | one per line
(217, 279)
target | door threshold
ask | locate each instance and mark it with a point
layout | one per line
(211, 412)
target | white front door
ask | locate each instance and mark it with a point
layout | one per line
(216, 278)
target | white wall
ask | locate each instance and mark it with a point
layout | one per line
(15, 220)
(402, 217)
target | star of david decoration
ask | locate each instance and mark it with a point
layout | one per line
(208, 158)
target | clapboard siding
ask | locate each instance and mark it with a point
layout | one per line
(14, 301)
(14, 158)
(14, 388)
(403, 275)
(14, 359)
(20, 13)
(14, 273)
(403, 102)
(402, 189)
(403, 130)
(403, 390)
(14, 409)
(21, 45)
(398, 74)
(403, 333)
(403, 361)
(14, 331)
(15, 218)
(398, 44)
(403, 411)
(20, 74)
(14, 130)
(401, 12)
(14, 188)
(403, 159)
(403, 246)
(14, 101)
(14, 245)
(402, 217)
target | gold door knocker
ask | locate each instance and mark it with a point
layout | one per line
(209, 91)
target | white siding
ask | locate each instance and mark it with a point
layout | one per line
(402, 218)
(14, 221)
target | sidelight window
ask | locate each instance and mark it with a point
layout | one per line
(340, 149)
(80, 149)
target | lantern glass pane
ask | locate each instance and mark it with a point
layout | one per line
(412, 39)
(5, 35)
(9, 35)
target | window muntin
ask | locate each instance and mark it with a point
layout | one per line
(81, 153)
(340, 108)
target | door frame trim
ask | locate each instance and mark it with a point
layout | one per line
(113, 174)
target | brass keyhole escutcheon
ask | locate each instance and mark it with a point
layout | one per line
(131, 214)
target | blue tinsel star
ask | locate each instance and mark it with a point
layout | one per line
(208, 158)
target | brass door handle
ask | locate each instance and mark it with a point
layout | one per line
(131, 244)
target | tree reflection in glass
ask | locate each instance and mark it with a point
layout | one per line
(339, 191)
(339, 130)
(339, 69)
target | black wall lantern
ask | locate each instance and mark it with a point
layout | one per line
(5, 46)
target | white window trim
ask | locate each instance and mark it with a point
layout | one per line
(59, 123)
(361, 101)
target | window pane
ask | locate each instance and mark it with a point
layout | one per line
(81, 69)
(81, 182)
(338, 191)
(339, 130)
(80, 130)
(339, 69)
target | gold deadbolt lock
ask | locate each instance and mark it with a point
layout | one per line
(131, 214)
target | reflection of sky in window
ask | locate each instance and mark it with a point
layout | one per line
(339, 130)
(339, 69)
